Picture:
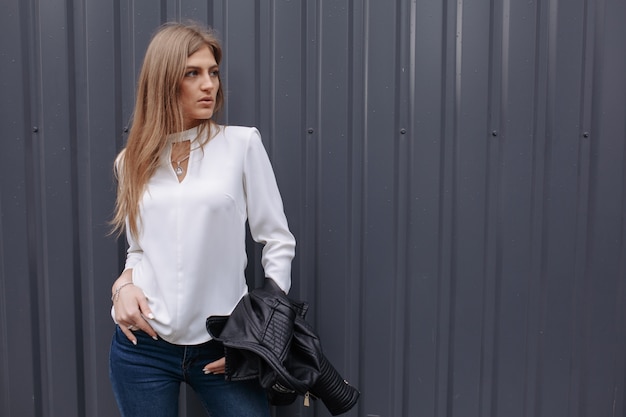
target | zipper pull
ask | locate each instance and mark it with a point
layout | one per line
(307, 399)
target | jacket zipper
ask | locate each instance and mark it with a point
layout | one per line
(307, 399)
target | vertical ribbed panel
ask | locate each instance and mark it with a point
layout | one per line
(454, 173)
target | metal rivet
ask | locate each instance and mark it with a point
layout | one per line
(585, 134)
(310, 131)
(125, 129)
(402, 131)
(494, 133)
(35, 129)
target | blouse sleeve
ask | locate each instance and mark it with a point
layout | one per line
(266, 217)
(134, 253)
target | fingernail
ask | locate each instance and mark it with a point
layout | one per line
(207, 372)
(155, 337)
(151, 316)
(134, 342)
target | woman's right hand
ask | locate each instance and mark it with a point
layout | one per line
(131, 307)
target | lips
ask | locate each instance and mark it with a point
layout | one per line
(206, 100)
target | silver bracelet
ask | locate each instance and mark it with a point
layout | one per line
(116, 294)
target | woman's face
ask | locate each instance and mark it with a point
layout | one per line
(198, 88)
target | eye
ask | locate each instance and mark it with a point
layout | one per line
(191, 73)
(214, 73)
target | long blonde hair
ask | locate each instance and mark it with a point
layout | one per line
(157, 114)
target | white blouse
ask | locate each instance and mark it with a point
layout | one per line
(190, 256)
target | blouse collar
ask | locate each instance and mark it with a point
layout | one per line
(183, 136)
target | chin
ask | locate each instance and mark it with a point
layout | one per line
(204, 116)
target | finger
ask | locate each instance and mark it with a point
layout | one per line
(145, 308)
(208, 371)
(216, 367)
(141, 323)
(129, 334)
(129, 319)
(145, 326)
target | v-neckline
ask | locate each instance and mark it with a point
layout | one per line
(181, 163)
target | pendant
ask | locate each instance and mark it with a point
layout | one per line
(179, 170)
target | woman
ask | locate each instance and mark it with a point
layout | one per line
(186, 187)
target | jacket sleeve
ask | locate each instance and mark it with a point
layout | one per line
(266, 217)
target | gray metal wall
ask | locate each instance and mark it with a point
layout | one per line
(454, 172)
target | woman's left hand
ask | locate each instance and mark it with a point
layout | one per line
(217, 367)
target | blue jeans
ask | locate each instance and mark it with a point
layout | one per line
(146, 379)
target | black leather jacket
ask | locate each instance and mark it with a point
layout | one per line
(267, 337)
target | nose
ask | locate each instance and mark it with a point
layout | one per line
(207, 81)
